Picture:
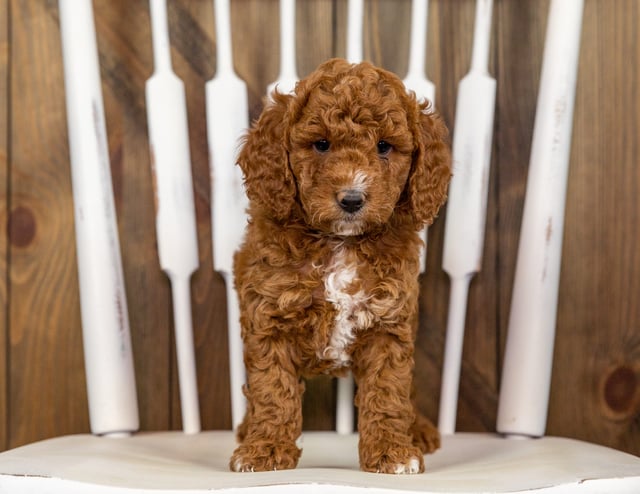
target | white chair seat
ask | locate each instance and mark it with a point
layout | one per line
(172, 462)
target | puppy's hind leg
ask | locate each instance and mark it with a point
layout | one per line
(425, 434)
(241, 431)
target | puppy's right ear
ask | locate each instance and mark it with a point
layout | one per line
(264, 161)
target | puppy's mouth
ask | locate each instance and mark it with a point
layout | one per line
(348, 228)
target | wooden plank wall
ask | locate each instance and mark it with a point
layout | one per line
(596, 385)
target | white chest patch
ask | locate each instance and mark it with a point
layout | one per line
(351, 309)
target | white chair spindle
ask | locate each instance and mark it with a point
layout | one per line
(526, 373)
(175, 210)
(111, 387)
(467, 203)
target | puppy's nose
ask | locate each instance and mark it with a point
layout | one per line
(350, 200)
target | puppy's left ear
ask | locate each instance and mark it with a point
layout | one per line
(430, 170)
(265, 163)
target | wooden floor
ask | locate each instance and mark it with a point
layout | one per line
(596, 385)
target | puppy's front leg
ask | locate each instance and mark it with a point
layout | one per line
(383, 368)
(274, 418)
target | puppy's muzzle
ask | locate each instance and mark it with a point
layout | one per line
(351, 201)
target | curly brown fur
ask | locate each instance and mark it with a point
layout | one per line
(341, 176)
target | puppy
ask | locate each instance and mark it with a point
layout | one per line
(341, 176)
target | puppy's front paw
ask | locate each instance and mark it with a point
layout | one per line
(398, 461)
(263, 456)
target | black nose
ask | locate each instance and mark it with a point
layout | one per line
(351, 200)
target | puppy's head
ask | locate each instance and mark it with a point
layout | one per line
(346, 152)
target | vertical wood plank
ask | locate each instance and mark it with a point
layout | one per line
(4, 206)
(47, 385)
(314, 28)
(385, 44)
(255, 34)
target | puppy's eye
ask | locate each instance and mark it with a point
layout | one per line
(384, 148)
(322, 146)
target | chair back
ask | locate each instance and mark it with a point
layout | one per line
(527, 367)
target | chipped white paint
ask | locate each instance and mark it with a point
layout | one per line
(351, 313)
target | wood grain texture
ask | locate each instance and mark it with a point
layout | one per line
(596, 384)
(4, 207)
(47, 384)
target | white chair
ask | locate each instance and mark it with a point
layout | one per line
(175, 462)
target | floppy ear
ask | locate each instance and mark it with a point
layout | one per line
(264, 161)
(430, 170)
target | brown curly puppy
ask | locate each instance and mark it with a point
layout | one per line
(341, 176)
